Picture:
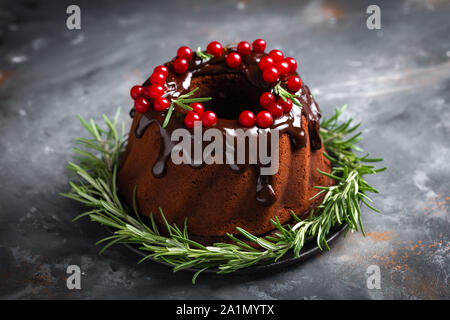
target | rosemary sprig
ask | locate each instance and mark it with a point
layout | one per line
(182, 101)
(203, 54)
(283, 93)
(96, 187)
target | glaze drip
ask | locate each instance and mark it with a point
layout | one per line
(290, 123)
(265, 195)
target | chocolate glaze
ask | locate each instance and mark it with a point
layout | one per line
(289, 123)
(265, 195)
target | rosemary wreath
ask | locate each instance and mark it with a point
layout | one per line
(95, 186)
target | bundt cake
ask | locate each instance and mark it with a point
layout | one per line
(226, 88)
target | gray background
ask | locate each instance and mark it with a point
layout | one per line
(395, 80)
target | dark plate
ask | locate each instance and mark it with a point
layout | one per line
(309, 250)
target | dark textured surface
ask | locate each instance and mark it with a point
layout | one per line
(395, 80)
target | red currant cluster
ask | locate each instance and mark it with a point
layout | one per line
(208, 118)
(155, 91)
(141, 95)
(275, 108)
(272, 66)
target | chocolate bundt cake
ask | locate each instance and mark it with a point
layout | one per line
(246, 89)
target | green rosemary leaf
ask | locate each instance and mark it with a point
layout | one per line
(145, 258)
(187, 95)
(109, 244)
(105, 221)
(246, 234)
(330, 175)
(284, 94)
(84, 214)
(203, 54)
(86, 126)
(241, 243)
(168, 115)
(183, 105)
(190, 100)
(368, 204)
(154, 228)
(194, 278)
(168, 227)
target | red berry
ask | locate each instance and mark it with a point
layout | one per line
(270, 74)
(265, 62)
(161, 69)
(180, 65)
(283, 68)
(233, 60)
(141, 105)
(276, 110)
(287, 105)
(264, 119)
(136, 92)
(294, 83)
(154, 91)
(190, 118)
(157, 78)
(161, 104)
(244, 48)
(266, 100)
(197, 107)
(292, 64)
(209, 119)
(185, 52)
(276, 55)
(259, 45)
(214, 48)
(247, 119)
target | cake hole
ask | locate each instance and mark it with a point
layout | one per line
(231, 93)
